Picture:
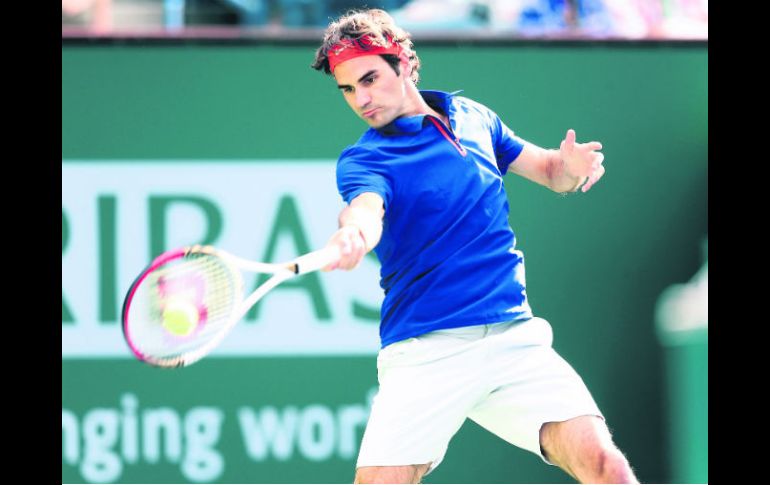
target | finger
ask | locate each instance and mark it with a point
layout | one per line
(331, 267)
(597, 175)
(358, 250)
(348, 261)
(356, 254)
(593, 145)
(356, 257)
(343, 252)
(569, 140)
(597, 162)
(594, 178)
(346, 245)
(346, 264)
(591, 181)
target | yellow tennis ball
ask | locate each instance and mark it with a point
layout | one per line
(180, 317)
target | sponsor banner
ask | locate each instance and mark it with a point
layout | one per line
(117, 216)
(238, 420)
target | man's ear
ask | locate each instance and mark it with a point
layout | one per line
(406, 66)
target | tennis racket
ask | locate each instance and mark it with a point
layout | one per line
(187, 300)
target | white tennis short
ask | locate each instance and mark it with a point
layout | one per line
(506, 377)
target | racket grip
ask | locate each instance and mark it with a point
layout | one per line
(316, 260)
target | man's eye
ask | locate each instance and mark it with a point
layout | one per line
(369, 80)
(347, 90)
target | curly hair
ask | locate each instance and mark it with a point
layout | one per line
(375, 23)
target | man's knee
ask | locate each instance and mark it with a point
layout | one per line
(601, 464)
(583, 448)
(612, 467)
(391, 474)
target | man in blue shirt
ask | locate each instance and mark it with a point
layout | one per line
(424, 188)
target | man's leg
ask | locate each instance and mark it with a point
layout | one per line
(427, 386)
(391, 474)
(583, 447)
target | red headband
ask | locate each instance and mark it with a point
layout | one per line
(349, 48)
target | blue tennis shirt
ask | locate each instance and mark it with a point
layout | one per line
(448, 253)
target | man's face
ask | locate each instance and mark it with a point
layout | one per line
(372, 89)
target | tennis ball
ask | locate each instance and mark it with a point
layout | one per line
(180, 317)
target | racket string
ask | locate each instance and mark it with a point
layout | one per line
(213, 287)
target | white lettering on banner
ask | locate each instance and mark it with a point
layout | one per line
(202, 462)
(317, 433)
(269, 432)
(116, 216)
(314, 431)
(110, 437)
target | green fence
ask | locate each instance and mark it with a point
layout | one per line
(168, 144)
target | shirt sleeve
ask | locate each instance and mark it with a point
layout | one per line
(357, 173)
(507, 145)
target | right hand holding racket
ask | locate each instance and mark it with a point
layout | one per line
(350, 243)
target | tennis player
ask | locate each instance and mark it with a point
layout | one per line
(424, 189)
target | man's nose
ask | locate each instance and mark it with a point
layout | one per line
(363, 98)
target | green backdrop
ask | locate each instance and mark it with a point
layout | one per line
(595, 263)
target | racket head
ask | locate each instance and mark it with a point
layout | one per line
(181, 305)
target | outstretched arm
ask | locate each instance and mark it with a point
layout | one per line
(360, 230)
(564, 170)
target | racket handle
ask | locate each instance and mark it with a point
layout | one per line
(316, 260)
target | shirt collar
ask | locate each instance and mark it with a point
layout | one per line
(413, 124)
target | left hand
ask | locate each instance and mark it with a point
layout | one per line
(582, 159)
